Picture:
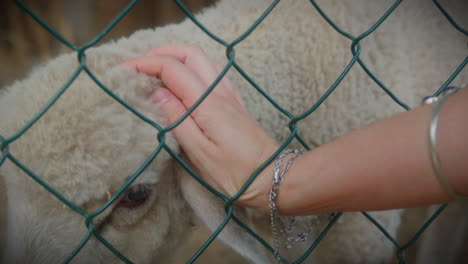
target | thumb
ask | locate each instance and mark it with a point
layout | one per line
(187, 133)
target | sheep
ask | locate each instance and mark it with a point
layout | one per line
(87, 145)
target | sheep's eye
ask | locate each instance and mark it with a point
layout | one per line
(135, 196)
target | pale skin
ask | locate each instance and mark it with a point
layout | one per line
(381, 166)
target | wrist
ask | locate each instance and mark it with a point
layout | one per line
(257, 195)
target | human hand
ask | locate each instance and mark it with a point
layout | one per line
(220, 138)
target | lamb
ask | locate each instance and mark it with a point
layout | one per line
(87, 145)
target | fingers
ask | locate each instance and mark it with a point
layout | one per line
(185, 71)
(187, 133)
(193, 57)
(182, 81)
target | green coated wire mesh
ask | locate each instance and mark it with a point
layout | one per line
(230, 54)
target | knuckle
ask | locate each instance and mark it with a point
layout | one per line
(169, 60)
(195, 49)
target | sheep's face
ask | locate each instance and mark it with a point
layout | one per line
(86, 147)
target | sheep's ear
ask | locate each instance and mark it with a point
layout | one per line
(209, 209)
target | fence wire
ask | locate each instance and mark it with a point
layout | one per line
(231, 55)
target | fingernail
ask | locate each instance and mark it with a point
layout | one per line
(161, 96)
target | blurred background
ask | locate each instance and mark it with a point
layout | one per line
(24, 43)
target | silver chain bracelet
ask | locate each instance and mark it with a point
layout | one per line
(277, 225)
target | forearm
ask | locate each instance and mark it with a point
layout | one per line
(381, 166)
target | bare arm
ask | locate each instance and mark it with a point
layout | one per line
(381, 166)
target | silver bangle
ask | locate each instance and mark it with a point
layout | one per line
(432, 141)
(277, 225)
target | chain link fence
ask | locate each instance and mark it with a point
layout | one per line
(230, 53)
